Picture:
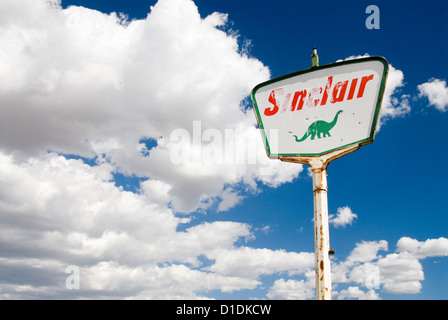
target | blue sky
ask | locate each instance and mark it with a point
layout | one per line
(96, 107)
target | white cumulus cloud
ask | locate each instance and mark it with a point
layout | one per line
(96, 85)
(292, 290)
(437, 93)
(358, 294)
(79, 84)
(424, 249)
(344, 216)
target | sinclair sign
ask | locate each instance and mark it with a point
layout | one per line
(322, 109)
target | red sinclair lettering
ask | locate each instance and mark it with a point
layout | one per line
(327, 91)
(302, 95)
(311, 101)
(364, 80)
(270, 112)
(286, 102)
(317, 96)
(273, 100)
(352, 89)
(339, 92)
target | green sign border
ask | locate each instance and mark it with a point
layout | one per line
(327, 66)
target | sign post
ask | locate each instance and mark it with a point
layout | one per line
(321, 234)
(315, 116)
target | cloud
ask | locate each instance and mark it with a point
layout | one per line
(91, 84)
(58, 212)
(396, 273)
(291, 290)
(401, 273)
(344, 217)
(425, 249)
(91, 95)
(358, 294)
(437, 93)
(152, 282)
(365, 273)
(393, 106)
(229, 200)
(367, 251)
(259, 262)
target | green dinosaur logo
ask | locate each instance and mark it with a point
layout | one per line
(319, 128)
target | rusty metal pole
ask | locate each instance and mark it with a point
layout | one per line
(321, 233)
(321, 229)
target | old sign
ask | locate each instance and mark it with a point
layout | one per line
(322, 109)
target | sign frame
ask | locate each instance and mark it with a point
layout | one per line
(351, 145)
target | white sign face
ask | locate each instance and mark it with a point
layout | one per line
(322, 109)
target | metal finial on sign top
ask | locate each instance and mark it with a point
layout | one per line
(314, 58)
